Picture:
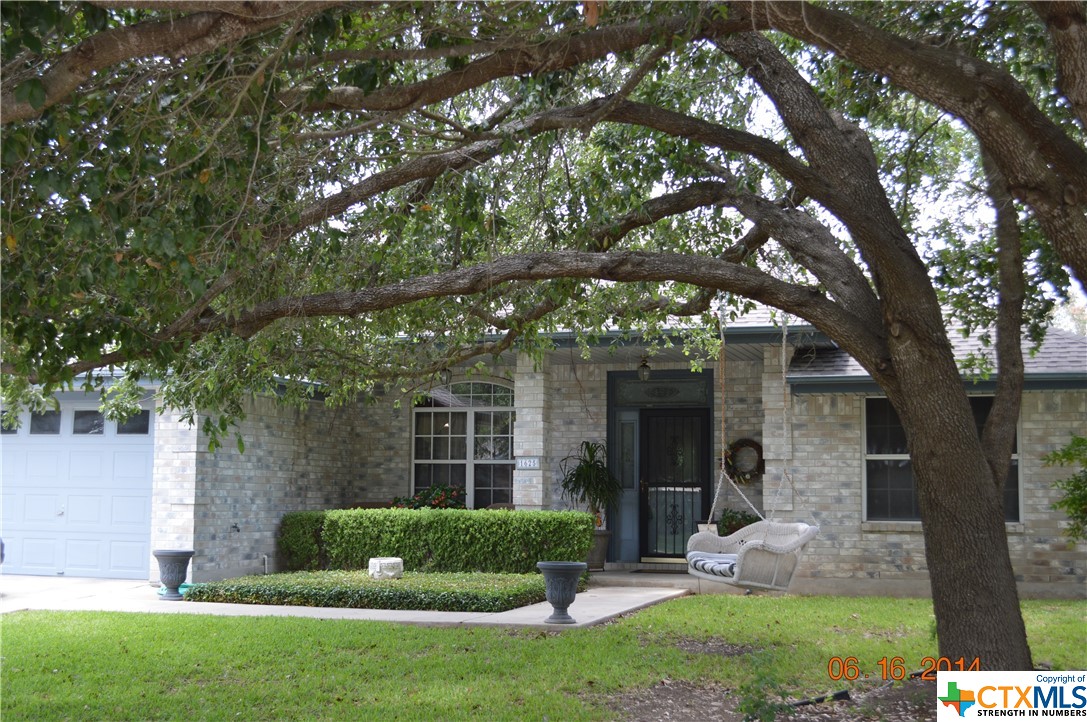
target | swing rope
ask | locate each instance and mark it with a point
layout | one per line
(786, 427)
(762, 555)
(724, 475)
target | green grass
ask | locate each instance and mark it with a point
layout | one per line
(446, 592)
(114, 666)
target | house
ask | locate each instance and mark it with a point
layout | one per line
(83, 496)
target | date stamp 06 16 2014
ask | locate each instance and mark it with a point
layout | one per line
(894, 668)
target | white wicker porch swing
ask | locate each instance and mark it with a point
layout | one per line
(762, 555)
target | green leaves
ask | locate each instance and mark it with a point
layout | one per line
(32, 91)
(163, 180)
(1073, 489)
(454, 540)
(355, 590)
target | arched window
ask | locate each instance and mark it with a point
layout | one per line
(464, 437)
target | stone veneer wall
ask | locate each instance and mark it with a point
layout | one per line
(533, 401)
(326, 458)
(384, 448)
(173, 493)
(1042, 556)
(744, 419)
(227, 505)
(579, 412)
(851, 556)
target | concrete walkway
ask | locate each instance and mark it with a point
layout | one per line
(595, 606)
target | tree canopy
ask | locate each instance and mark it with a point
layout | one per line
(231, 195)
(185, 183)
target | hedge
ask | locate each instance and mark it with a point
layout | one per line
(437, 540)
(354, 589)
(299, 540)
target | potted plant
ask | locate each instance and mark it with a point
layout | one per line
(733, 520)
(586, 480)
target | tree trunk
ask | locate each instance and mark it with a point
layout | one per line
(974, 592)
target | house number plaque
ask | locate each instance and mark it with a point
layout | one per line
(528, 462)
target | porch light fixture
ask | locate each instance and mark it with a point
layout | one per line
(643, 371)
(445, 376)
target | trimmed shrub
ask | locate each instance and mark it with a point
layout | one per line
(456, 540)
(299, 540)
(437, 592)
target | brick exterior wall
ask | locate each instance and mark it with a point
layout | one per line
(851, 556)
(1041, 555)
(228, 505)
(579, 412)
(173, 492)
(744, 419)
(532, 426)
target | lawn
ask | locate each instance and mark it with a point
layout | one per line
(114, 666)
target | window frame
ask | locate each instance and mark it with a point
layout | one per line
(471, 410)
(866, 457)
(111, 430)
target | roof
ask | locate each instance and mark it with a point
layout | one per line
(745, 338)
(1059, 363)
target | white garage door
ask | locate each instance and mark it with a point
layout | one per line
(77, 494)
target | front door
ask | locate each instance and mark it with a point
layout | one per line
(675, 479)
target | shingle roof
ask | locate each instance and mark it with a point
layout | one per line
(1061, 361)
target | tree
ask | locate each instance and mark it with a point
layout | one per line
(229, 195)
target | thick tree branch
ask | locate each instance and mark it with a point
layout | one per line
(865, 344)
(998, 435)
(813, 247)
(424, 169)
(862, 342)
(408, 54)
(527, 59)
(841, 154)
(263, 10)
(648, 63)
(185, 36)
(1045, 169)
(1066, 21)
(696, 195)
(714, 135)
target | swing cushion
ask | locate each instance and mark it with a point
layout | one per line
(762, 555)
(718, 565)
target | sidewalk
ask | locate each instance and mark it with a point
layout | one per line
(595, 606)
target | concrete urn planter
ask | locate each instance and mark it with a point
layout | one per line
(598, 552)
(560, 586)
(173, 568)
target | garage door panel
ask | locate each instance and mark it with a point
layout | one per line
(86, 466)
(85, 509)
(131, 464)
(128, 557)
(43, 466)
(131, 511)
(14, 464)
(37, 554)
(41, 509)
(82, 554)
(77, 504)
(8, 513)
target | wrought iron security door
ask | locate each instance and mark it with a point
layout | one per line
(675, 479)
